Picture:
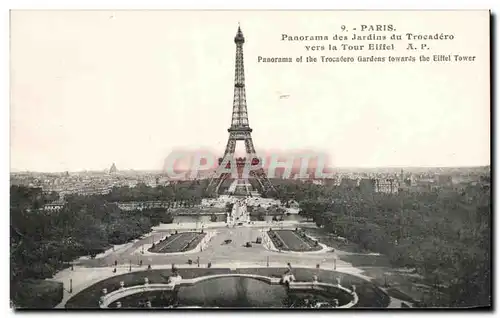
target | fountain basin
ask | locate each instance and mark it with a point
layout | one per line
(230, 290)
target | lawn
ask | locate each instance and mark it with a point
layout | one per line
(366, 260)
(329, 240)
(288, 240)
(180, 242)
(403, 285)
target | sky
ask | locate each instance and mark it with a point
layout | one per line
(89, 88)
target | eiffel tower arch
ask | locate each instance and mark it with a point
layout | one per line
(240, 131)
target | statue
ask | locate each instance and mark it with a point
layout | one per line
(288, 277)
(122, 284)
(104, 291)
(146, 280)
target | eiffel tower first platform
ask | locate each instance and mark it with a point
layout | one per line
(240, 131)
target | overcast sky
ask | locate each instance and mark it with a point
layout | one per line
(90, 88)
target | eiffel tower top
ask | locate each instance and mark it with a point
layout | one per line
(239, 120)
(239, 38)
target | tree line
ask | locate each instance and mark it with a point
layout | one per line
(186, 193)
(444, 235)
(43, 242)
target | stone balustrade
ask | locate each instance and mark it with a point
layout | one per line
(109, 298)
(127, 291)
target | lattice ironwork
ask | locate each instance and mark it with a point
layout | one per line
(240, 129)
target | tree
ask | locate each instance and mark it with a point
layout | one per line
(42, 244)
(444, 234)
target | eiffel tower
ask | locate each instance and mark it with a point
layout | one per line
(240, 130)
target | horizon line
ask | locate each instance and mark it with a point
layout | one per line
(333, 168)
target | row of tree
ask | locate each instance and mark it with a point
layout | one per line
(445, 235)
(43, 243)
(189, 193)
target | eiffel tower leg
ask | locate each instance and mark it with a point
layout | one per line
(259, 174)
(265, 183)
(249, 146)
(256, 177)
(220, 181)
(230, 147)
(217, 180)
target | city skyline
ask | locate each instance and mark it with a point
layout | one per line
(381, 169)
(93, 88)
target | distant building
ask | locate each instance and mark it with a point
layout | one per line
(485, 179)
(408, 182)
(317, 182)
(387, 185)
(92, 190)
(444, 180)
(141, 205)
(113, 169)
(164, 181)
(54, 206)
(293, 204)
(348, 183)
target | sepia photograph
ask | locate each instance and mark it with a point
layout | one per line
(250, 159)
